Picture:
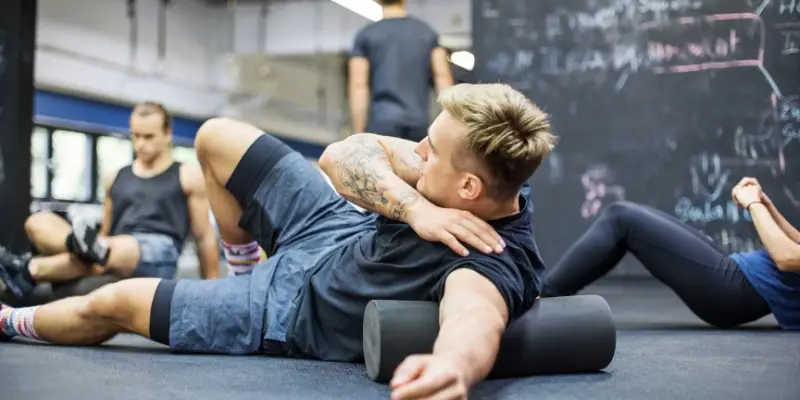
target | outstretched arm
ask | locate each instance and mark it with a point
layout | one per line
(375, 172)
(472, 311)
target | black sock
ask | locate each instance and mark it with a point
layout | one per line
(26, 274)
(70, 243)
(104, 261)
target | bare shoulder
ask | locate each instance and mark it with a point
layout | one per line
(192, 181)
(109, 177)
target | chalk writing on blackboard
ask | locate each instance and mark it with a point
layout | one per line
(729, 241)
(710, 200)
(708, 176)
(788, 7)
(724, 41)
(597, 181)
(554, 162)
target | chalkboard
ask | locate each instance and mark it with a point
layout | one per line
(663, 102)
(17, 45)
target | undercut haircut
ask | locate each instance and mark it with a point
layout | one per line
(507, 135)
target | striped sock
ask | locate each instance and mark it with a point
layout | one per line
(241, 258)
(18, 321)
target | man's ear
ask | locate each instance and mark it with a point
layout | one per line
(471, 187)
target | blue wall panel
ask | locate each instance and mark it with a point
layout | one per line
(80, 113)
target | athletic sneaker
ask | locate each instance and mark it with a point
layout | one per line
(85, 242)
(14, 273)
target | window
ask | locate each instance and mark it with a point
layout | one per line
(113, 153)
(185, 155)
(72, 170)
(40, 143)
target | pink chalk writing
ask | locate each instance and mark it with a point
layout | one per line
(718, 41)
(596, 181)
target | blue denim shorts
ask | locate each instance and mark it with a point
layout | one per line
(296, 217)
(158, 256)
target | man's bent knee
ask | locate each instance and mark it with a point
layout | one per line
(108, 302)
(208, 134)
(37, 223)
(620, 210)
(220, 144)
(126, 303)
(47, 232)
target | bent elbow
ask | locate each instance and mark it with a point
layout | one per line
(788, 262)
(331, 155)
(327, 159)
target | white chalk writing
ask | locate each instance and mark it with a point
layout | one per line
(556, 168)
(789, 116)
(706, 211)
(790, 45)
(789, 7)
(660, 6)
(555, 61)
(708, 177)
(730, 242)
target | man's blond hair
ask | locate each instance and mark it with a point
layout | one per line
(508, 134)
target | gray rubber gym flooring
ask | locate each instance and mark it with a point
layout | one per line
(663, 352)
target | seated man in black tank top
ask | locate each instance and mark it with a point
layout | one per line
(150, 207)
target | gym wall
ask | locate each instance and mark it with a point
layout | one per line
(666, 107)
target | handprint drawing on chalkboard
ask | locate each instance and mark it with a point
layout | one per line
(708, 176)
(597, 181)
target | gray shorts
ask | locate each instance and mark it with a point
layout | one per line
(158, 256)
(296, 217)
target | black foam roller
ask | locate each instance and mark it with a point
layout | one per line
(558, 335)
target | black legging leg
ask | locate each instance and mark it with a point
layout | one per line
(704, 277)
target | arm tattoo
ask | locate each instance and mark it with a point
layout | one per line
(408, 165)
(400, 208)
(365, 171)
(359, 171)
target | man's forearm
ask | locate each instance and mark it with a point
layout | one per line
(472, 340)
(359, 104)
(361, 171)
(777, 243)
(443, 82)
(785, 226)
(208, 256)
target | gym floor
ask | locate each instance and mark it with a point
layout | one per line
(663, 352)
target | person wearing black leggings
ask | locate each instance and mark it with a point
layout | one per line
(724, 290)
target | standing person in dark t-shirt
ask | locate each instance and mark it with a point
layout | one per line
(150, 208)
(393, 65)
(448, 224)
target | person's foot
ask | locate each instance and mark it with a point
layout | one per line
(3, 315)
(85, 242)
(14, 273)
